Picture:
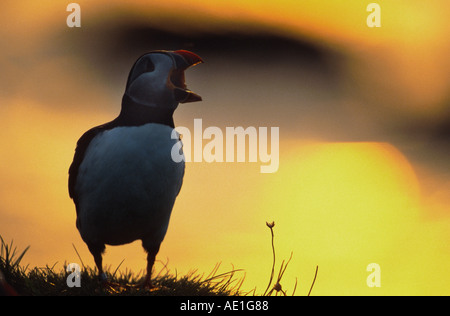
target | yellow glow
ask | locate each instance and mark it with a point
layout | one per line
(344, 206)
(340, 206)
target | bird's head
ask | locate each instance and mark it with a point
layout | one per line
(157, 79)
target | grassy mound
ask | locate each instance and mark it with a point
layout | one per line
(48, 281)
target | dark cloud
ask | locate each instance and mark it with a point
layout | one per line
(111, 46)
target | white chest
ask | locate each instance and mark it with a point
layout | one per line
(127, 183)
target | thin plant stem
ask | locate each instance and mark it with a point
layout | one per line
(79, 257)
(273, 264)
(314, 281)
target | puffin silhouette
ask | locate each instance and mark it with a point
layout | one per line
(123, 179)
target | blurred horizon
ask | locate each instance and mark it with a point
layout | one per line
(364, 118)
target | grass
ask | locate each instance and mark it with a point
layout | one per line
(48, 281)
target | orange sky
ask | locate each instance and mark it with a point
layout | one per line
(340, 205)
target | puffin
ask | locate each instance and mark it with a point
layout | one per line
(123, 179)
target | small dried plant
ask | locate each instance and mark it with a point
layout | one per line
(277, 288)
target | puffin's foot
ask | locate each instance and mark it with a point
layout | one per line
(102, 277)
(147, 284)
(111, 287)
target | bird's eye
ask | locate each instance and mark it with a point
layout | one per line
(149, 67)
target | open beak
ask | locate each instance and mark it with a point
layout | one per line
(190, 58)
(183, 60)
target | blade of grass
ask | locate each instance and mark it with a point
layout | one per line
(79, 257)
(117, 269)
(314, 281)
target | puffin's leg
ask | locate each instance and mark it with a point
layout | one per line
(97, 251)
(151, 250)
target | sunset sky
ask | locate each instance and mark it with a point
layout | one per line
(364, 135)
